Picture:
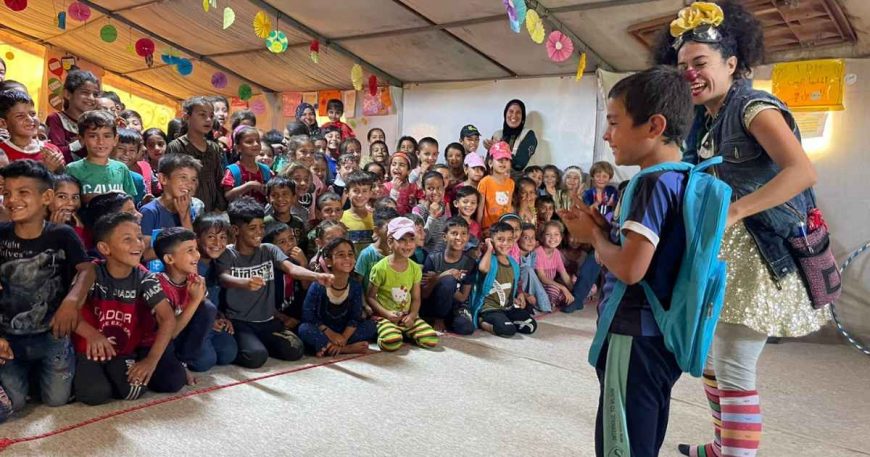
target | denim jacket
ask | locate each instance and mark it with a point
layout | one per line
(746, 167)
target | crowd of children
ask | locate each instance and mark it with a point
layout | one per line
(130, 259)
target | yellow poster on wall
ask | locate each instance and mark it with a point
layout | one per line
(25, 67)
(810, 85)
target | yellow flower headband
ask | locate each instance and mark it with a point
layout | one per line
(700, 18)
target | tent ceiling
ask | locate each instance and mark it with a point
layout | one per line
(402, 41)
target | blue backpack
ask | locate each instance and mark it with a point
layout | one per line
(689, 323)
(265, 172)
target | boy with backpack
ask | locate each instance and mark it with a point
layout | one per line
(638, 352)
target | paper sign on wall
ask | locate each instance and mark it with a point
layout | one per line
(237, 103)
(811, 85)
(348, 97)
(379, 104)
(310, 98)
(289, 102)
(325, 96)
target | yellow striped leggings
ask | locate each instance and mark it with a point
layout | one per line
(391, 336)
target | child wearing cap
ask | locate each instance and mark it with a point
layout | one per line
(394, 291)
(496, 190)
(474, 170)
(469, 136)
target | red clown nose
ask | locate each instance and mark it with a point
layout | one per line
(690, 74)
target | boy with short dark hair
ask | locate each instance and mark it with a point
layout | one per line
(118, 351)
(185, 289)
(126, 152)
(284, 207)
(469, 137)
(379, 249)
(347, 164)
(199, 118)
(246, 271)
(334, 111)
(18, 118)
(648, 115)
(176, 207)
(97, 172)
(45, 275)
(447, 279)
(358, 220)
(496, 306)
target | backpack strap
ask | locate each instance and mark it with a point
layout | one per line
(265, 172)
(237, 174)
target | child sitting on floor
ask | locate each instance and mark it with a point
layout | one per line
(284, 208)
(246, 271)
(288, 291)
(529, 284)
(447, 279)
(118, 353)
(325, 232)
(394, 292)
(332, 320)
(495, 305)
(549, 266)
(601, 197)
(526, 194)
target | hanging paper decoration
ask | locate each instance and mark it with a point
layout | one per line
(258, 106)
(219, 80)
(109, 33)
(184, 66)
(535, 26)
(144, 47)
(356, 76)
(67, 62)
(55, 67)
(245, 92)
(314, 51)
(229, 17)
(206, 4)
(581, 67)
(516, 11)
(373, 85)
(277, 42)
(16, 5)
(559, 46)
(60, 21)
(79, 11)
(262, 25)
(10, 55)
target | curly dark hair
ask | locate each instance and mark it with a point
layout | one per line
(742, 37)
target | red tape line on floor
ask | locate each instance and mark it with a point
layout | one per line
(6, 442)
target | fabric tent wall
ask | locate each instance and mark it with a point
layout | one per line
(560, 110)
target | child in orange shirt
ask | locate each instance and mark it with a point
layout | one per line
(496, 190)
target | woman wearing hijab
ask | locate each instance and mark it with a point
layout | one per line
(523, 141)
(305, 114)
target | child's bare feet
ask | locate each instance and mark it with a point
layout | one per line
(360, 347)
(439, 325)
(191, 379)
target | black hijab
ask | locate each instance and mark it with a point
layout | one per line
(508, 134)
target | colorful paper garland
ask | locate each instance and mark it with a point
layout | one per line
(581, 67)
(109, 33)
(277, 42)
(262, 25)
(245, 92)
(60, 20)
(356, 76)
(314, 51)
(559, 46)
(145, 47)
(229, 17)
(219, 80)
(535, 26)
(79, 11)
(16, 5)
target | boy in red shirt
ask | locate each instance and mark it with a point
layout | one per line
(18, 117)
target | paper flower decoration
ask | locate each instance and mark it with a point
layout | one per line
(516, 11)
(144, 47)
(10, 55)
(559, 47)
(184, 66)
(258, 106)
(16, 5)
(535, 26)
(219, 80)
(245, 92)
(79, 11)
(373, 85)
(698, 13)
(109, 33)
(206, 4)
(262, 25)
(229, 17)
(277, 42)
(356, 76)
(314, 51)
(581, 67)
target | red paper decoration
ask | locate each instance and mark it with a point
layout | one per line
(79, 11)
(145, 47)
(373, 85)
(16, 5)
(314, 51)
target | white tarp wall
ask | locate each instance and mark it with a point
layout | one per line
(560, 110)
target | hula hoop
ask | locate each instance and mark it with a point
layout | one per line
(854, 341)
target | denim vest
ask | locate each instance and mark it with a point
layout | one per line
(746, 167)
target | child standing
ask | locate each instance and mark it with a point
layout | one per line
(474, 170)
(247, 176)
(284, 207)
(176, 207)
(454, 157)
(379, 153)
(496, 189)
(549, 266)
(220, 346)
(527, 193)
(466, 202)
(332, 135)
(469, 137)
(334, 111)
(376, 134)
(127, 152)
(399, 188)
(394, 294)
(329, 208)
(45, 276)
(199, 118)
(155, 146)
(80, 91)
(433, 211)
(97, 172)
(427, 156)
(246, 272)
(67, 201)
(495, 304)
(332, 319)
(117, 350)
(347, 164)
(648, 115)
(359, 220)
(447, 279)
(602, 197)
(18, 118)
